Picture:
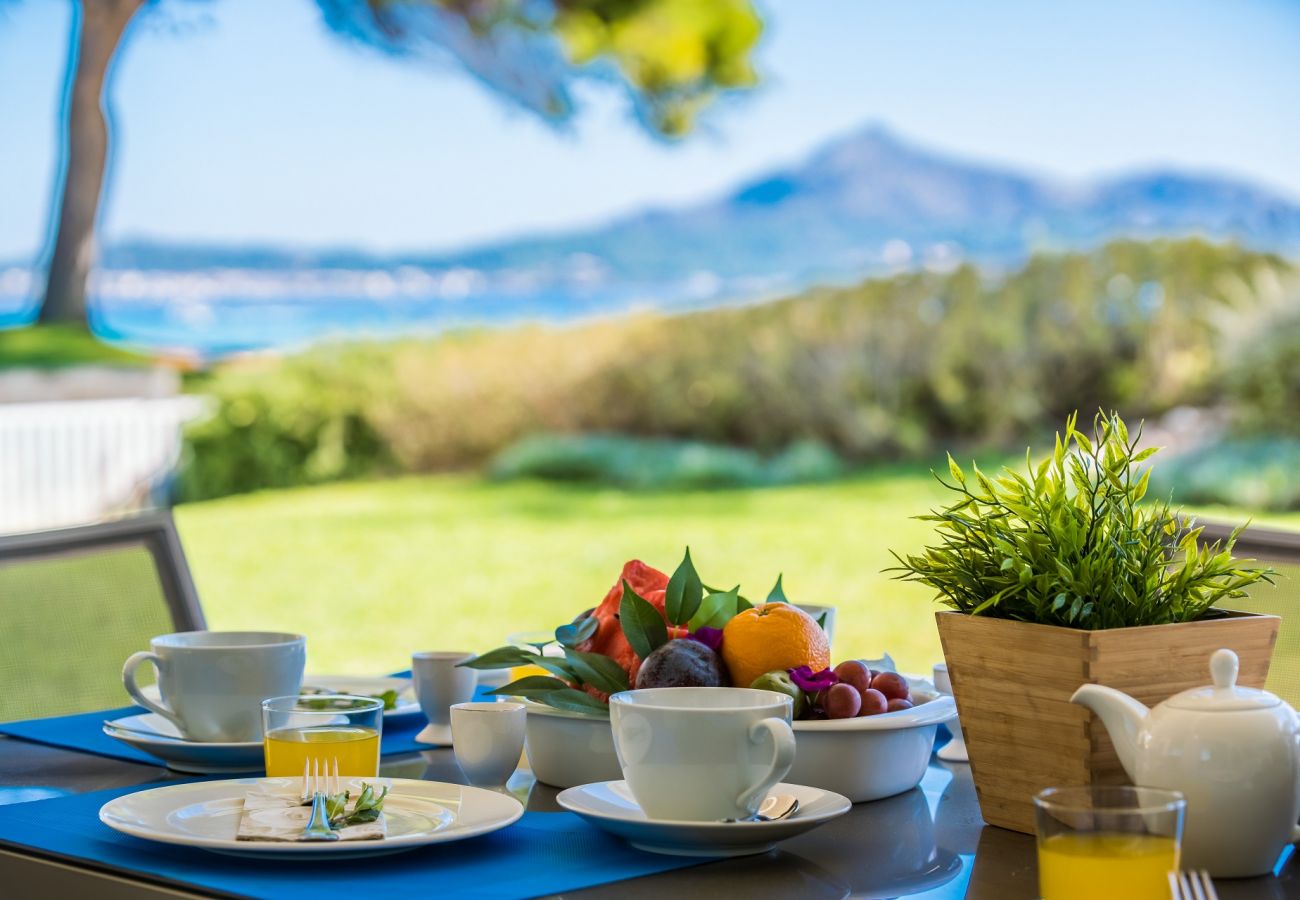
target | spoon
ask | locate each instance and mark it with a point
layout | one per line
(776, 806)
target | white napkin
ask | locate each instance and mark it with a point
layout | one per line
(277, 814)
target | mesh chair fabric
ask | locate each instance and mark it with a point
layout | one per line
(69, 622)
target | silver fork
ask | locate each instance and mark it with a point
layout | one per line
(317, 784)
(1193, 885)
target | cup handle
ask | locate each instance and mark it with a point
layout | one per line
(782, 759)
(133, 662)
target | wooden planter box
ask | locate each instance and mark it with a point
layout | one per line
(1013, 682)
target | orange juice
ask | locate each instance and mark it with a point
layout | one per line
(1115, 866)
(355, 748)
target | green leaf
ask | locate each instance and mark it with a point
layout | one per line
(821, 620)
(575, 701)
(575, 633)
(642, 625)
(684, 593)
(530, 686)
(717, 609)
(500, 658)
(777, 594)
(598, 671)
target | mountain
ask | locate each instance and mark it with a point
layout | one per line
(859, 203)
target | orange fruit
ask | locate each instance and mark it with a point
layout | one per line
(772, 636)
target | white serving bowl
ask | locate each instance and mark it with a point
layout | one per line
(870, 757)
(566, 749)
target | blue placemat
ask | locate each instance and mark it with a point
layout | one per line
(84, 732)
(542, 853)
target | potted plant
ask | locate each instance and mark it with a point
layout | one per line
(1064, 575)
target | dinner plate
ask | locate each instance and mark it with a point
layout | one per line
(611, 806)
(364, 685)
(206, 815)
(151, 733)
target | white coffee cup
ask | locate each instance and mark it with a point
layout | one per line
(212, 683)
(489, 740)
(440, 682)
(702, 754)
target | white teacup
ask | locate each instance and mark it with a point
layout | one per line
(702, 754)
(213, 682)
(488, 739)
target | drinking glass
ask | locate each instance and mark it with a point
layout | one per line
(1113, 842)
(326, 727)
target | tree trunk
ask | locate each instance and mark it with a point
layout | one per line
(86, 134)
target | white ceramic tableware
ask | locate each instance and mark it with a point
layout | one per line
(439, 683)
(702, 753)
(212, 683)
(610, 805)
(152, 734)
(488, 739)
(566, 749)
(1233, 752)
(369, 686)
(206, 814)
(955, 749)
(871, 757)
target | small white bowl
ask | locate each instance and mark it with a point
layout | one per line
(566, 749)
(870, 757)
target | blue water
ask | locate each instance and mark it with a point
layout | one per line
(221, 326)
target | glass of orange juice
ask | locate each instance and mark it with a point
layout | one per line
(1112, 842)
(325, 727)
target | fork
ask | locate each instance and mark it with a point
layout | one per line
(1193, 885)
(318, 785)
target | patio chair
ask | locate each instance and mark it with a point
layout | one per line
(76, 602)
(1281, 550)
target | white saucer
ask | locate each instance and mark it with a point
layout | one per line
(151, 733)
(206, 815)
(610, 805)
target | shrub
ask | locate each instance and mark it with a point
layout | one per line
(1255, 473)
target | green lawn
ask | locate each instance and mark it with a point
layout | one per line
(57, 346)
(372, 571)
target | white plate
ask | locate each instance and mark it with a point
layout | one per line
(610, 805)
(206, 815)
(370, 687)
(364, 685)
(151, 733)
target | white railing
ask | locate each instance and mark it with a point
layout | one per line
(78, 461)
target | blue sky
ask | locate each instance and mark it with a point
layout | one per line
(245, 121)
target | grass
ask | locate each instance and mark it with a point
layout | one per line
(371, 571)
(59, 346)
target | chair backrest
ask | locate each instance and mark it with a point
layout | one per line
(76, 602)
(1280, 550)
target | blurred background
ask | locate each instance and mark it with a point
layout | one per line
(428, 315)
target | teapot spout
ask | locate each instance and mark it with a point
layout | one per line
(1123, 717)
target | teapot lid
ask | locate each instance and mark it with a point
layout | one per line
(1224, 695)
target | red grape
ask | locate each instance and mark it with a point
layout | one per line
(854, 672)
(896, 704)
(873, 703)
(892, 685)
(843, 701)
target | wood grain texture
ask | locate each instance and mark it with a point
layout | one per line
(1013, 682)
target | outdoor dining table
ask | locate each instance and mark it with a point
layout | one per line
(929, 842)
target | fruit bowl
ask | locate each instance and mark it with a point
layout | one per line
(566, 749)
(870, 757)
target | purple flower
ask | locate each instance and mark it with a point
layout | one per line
(709, 637)
(813, 682)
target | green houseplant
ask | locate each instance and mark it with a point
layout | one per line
(1066, 574)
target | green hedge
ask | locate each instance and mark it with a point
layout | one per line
(886, 368)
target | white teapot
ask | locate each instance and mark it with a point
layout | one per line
(1234, 752)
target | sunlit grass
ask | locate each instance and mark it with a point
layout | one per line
(374, 570)
(55, 346)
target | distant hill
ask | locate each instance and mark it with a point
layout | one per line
(862, 202)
